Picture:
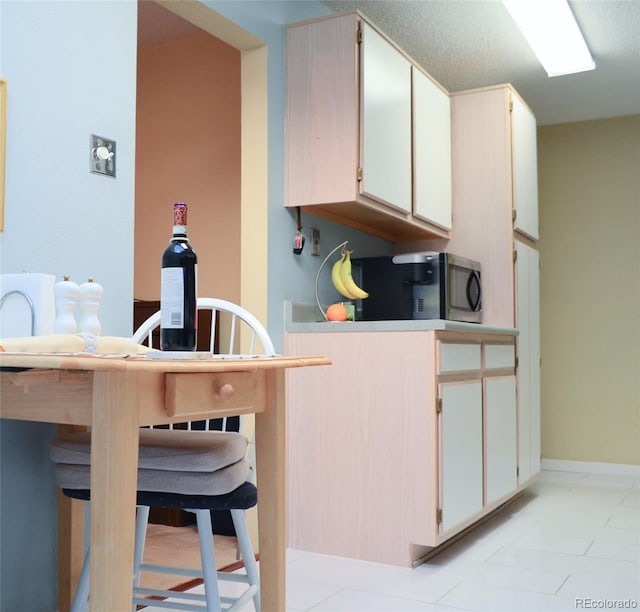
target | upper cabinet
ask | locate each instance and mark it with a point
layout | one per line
(495, 189)
(431, 151)
(525, 169)
(361, 137)
(386, 122)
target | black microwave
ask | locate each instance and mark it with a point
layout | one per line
(427, 285)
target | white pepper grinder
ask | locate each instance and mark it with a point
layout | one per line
(88, 305)
(66, 296)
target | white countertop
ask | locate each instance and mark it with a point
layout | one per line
(305, 318)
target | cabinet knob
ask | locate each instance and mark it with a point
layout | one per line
(225, 392)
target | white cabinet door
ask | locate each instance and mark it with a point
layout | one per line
(432, 151)
(501, 436)
(460, 452)
(525, 168)
(528, 372)
(386, 121)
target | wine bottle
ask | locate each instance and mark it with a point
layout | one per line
(178, 288)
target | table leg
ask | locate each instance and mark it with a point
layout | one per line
(114, 459)
(271, 475)
(71, 514)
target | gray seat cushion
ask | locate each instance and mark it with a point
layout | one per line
(163, 449)
(218, 482)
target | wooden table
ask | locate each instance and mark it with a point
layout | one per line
(115, 396)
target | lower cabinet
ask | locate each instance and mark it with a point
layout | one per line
(501, 435)
(408, 438)
(460, 441)
(477, 425)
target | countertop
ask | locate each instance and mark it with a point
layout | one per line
(305, 318)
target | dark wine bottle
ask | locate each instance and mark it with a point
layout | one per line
(178, 288)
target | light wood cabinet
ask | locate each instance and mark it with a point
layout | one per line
(525, 168)
(351, 151)
(431, 151)
(477, 429)
(528, 343)
(496, 210)
(407, 429)
(501, 433)
(460, 441)
(488, 181)
(386, 122)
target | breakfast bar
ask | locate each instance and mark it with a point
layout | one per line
(117, 394)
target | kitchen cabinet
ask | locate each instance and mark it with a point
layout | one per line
(495, 206)
(525, 169)
(400, 444)
(350, 141)
(528, 342)
(461, 480)
(501, 431)
(477, 429)
(386, 122)
(485, 179)
(431, 151)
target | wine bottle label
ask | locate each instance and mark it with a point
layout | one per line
(172, 298)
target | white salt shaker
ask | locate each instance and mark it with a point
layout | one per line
(66, 296)
(88, 306)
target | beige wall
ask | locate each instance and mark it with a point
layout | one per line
(188, 149)
(589, 174)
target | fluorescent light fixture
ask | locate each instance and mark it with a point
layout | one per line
(551, 29)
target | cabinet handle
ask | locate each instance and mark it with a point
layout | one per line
(225, 392)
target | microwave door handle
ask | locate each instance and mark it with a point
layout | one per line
(474, 279)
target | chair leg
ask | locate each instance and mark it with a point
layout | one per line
(142, 520)
(81, 596)
(208, 556)
(246, 549)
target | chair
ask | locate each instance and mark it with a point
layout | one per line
(197, 471)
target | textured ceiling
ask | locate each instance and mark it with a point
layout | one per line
(474, 43)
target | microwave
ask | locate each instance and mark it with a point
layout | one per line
(426, 285)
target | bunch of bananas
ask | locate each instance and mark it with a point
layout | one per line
(342, 279)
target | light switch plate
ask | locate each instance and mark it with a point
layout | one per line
(315, 241)
(102, 156)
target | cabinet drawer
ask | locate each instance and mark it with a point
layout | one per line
(499, 356)
(459, 357)
(191, 394)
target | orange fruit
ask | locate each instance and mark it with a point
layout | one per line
(337, 312)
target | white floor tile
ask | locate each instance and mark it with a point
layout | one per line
(569, 537)
(554, 540)
(361, 601)
(575, 565)
(600, 589)
(483, 597)
(618, 550)
(303, 593)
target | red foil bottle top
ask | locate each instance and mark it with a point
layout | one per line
(180, 213)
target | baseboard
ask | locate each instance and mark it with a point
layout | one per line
(589, 467)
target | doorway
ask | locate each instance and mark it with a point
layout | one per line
(235, 269)
(244, 269)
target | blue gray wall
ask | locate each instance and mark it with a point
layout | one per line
(71, 71)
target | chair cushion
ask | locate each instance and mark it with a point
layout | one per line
(174, 450)
(242, 498)
(75, 476)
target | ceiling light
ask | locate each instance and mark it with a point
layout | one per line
(551, 29)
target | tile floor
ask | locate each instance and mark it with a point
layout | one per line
(570, 542)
